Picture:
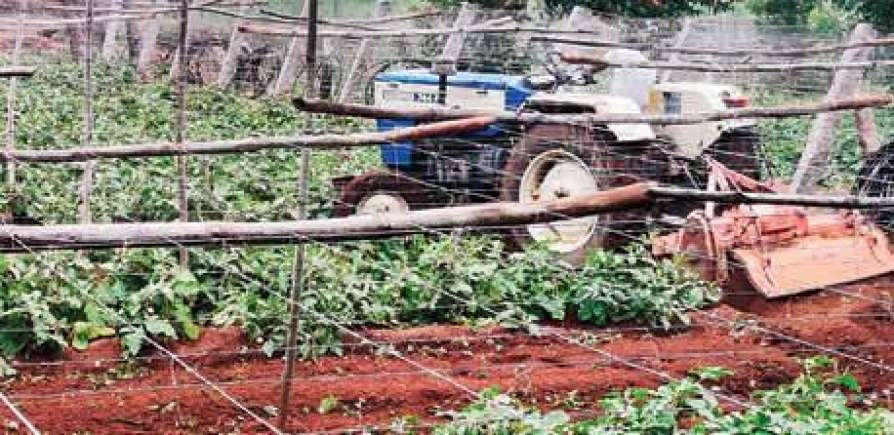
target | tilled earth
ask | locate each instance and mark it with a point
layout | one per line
(567, 366)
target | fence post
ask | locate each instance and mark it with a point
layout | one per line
(383, 7)
(148, 38)
(86, 190)
(110, 38)
(180, 134)
(297, 283)
(231, 59)
(445, 64)
(290, 62)
(11, 103)
(846, 82)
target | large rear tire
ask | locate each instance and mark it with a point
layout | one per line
(379, 192)
(556, 161)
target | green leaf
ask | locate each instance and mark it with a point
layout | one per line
(84, 332)
(160, 327)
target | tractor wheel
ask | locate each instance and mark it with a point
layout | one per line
(379, 192)
(876, 179)
(740, 150)
(556, 161)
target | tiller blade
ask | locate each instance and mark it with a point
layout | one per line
(780, 250)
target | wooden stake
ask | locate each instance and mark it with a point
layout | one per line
(148, 39)
(291, 61)
(297, 284)
(86, 189)
(445, 63)
(817, 151)
(11, 105)
(180, 138)
(110, 39)
(382, 8)
(230, 62)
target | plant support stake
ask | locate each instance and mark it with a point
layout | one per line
(297, 283)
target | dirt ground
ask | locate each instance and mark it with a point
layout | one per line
(90, 392)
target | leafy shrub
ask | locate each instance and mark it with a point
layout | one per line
(825, 14)
(818, 401)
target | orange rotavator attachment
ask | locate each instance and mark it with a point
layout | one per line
(781, 250)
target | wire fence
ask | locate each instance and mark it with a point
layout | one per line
(136, 72)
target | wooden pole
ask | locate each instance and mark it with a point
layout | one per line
(382, 8)
(297, 283)
(230, 62)
(11, 104)
(148, 39)
(328, 142)
(867, 133)
(86, 190)
(445, 63)
(15, 238)
(180, 137)
(438, 113)
(482, 29)
(679, 42)
(291, 61)
(841, 202)
(817, 151)
(574, 57)
(769, 52)
(110, 38)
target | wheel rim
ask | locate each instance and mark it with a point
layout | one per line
(552, 175)
(382, 202)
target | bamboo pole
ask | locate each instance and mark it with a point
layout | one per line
(255, 144)
(15, 238)
(574, 57)
(438, 113)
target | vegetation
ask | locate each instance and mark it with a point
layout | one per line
(51, 301)
(825, 15)
(635, 8)
(820, 400)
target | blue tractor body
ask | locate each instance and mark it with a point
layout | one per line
(464, 90)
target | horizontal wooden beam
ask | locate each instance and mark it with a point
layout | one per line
(576, 57)
(839, 202)
(32, 238)
(327, 141)
(742, 52)
(23, 238)
(482, 29)
(440, 113)
(17, 71)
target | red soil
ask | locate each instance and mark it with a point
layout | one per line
(157, 396)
